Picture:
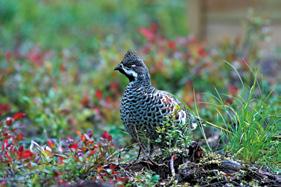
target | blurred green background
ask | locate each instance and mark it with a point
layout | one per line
(84, 25)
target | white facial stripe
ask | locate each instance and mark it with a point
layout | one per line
(130, 72)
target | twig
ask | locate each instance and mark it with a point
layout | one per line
(172, 167)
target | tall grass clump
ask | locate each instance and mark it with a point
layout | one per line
(251, 123)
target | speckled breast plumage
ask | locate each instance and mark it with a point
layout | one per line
(143, 108)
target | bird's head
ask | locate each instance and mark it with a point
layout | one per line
(133, 67)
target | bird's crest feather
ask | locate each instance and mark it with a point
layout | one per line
(131, 56)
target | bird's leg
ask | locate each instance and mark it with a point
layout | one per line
(139, 153)
(141, 146)
(151, 149)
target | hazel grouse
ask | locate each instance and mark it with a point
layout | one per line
(143, 108)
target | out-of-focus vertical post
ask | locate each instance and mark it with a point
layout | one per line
(197, 18)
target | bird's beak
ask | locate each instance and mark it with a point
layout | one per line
(118, 67)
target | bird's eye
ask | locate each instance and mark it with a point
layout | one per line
(133, 66)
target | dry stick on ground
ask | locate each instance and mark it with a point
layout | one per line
(172, 165)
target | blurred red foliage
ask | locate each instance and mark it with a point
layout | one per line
(106, 136)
